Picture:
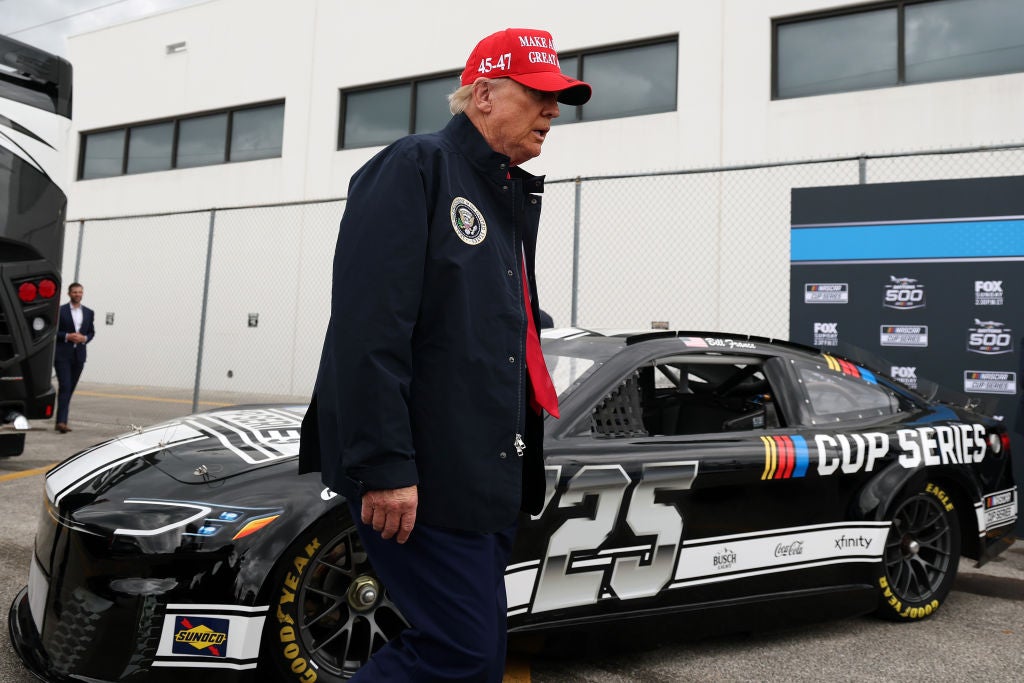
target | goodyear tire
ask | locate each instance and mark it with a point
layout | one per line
(328, 611)
(922, 553)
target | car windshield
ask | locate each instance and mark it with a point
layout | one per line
(566, 370)
(571, 355)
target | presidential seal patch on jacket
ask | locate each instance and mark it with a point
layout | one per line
(468, 222)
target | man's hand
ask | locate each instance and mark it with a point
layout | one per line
(391, 512)
(76, 338)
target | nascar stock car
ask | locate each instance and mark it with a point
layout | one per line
(691, 474)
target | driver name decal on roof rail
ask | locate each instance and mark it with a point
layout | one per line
(729, 343)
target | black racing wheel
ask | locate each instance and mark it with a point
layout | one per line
(328, 610)
(922, 553)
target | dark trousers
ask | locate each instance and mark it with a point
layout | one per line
(450, 587)
(68, 372)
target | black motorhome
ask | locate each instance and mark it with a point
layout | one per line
(35, 120)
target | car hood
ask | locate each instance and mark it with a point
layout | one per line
(203, 448)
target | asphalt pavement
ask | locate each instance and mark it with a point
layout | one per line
(978, 635)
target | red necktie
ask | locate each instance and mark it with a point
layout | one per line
(542, 391)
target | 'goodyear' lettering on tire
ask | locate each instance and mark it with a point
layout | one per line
(287, 635)
(908, 612)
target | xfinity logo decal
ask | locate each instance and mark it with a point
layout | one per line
(845, 541)
(903, 293)
(826, 334)
(989, 337)
(988, 292)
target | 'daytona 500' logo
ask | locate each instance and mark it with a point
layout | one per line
(989, 337)
(903, 293)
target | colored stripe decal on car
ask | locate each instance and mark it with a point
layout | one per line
(785, 457)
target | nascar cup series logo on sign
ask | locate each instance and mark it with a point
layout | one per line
(989, 337)
(827, 293)
(903, 335)
(990, 382)
(903, 293)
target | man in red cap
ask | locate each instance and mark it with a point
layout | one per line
(427, 415)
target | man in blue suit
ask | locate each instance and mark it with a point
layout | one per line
(75, 329)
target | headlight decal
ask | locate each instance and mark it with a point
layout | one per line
(252, 526)
(203, 511)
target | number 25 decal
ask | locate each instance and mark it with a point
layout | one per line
(574, 569)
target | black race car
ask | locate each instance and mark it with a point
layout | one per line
(693, 475)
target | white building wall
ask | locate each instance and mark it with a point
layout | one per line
(305, 51)
(242, 52)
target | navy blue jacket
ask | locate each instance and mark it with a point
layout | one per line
(69, 352)
(423, 376)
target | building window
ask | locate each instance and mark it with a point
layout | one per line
(379, 115)
(257, 133)
(150, 148)
(432, 112)
(628, 81)
(202, 141)
(634, 79)
(103, 155)
(896, 43)
(242, 134)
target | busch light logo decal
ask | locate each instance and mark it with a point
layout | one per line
(826, 334)
(989, 337)
(903, 293)
(988, 292)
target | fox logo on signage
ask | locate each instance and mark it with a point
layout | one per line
(907, 374)
(903, 293)
(988, 292)
(826, 334)
(989, 337)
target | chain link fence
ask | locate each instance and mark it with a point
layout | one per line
(234, 302)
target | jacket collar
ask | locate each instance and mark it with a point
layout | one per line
(494, 165)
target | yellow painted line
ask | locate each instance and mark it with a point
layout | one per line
(26, 473)
(516, 671)
(158, 399)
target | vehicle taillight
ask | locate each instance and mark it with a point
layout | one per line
(47, 288)
(999, 443)
(27, 292)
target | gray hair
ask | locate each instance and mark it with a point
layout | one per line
(460, 99)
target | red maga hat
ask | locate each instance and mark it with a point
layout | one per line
(527, 56)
